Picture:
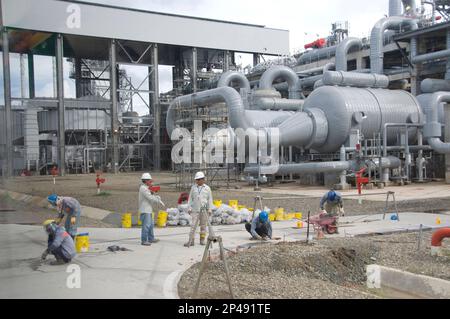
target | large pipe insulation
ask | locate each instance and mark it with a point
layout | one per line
(432, 130)
(395, 8)
(353, 79)
(285, 73)
(434, 85)
(317, 167)
(342, 52)
(229, 77)
(364, 108)
(377, 37)
(317, 55)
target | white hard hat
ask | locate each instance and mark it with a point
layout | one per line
(199, 175)
(146, 177)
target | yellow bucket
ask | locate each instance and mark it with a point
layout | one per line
(139, 222)
(298, 215)
(272, 217)
(241, 207)
(217, 203)
(288, 216)
(233, 203)
(299, 224)
(279, 214)
(82, 243)
(161, 220)
(126, 220)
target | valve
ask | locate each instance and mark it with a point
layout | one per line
(99, 181)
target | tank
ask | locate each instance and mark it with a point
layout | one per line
(368, 109)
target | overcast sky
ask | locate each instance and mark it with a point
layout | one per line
(306, 21)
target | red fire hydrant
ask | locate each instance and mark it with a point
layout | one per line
(54, 172)
(99, 181)
(361, 180)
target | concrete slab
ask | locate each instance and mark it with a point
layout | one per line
(144, 272)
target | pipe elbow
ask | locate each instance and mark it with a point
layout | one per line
(280, 71)
(439, 236)
(438, 146)
(228, 77)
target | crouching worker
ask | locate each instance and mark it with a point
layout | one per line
(332, 203)
(60, 244)
(260, 228)
(69, 207)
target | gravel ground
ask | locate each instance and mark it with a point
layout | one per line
(15, 212)
(332, 268)
(123, 195)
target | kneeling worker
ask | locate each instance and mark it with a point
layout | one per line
(60, 243)
(260, 227)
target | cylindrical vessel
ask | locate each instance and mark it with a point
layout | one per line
(364, 108)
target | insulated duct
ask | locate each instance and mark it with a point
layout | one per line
(395, 8)
(317, 54)
(342, 52)
(377, 43)
(434, 85)
(362, 80)
(318, 167)
(432, 129)
(229, 77)
(285, 73)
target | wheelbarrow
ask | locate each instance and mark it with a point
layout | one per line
(324, 222)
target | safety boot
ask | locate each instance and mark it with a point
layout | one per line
(189, 244)
(202, 239)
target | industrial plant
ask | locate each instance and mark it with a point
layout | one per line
(342, 105)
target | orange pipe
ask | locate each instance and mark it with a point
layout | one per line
(438, 237)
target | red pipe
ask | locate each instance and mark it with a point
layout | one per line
(438, 237)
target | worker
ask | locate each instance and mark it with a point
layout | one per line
(200, 207)
(260, 228)
(332, 203)
(148, 203)
(69, 207)
(60, 243)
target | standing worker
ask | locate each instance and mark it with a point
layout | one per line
(200, 206)
(332, 203)
(260, 228)
(147, 201)
(70, 208)
(60, 243)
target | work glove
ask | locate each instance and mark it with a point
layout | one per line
(44, 254)
(342, 212)
(209, 212)
(73, 220)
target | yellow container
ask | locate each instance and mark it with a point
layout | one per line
(272, 217)
(82, 243)
(139, 222)
(217, 203)
(161, 220)
(251, 210)
(241, 207)
(126, 220)
(298, 215)
(290, 216)
(233, 203)
(299, 224)
(279, 214)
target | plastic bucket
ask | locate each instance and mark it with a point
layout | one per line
(298, 215)
(82, 243)
(217, 203)
(272, 217)
(233, 203)
(139, 221)
(161, 220)
(279, 214)
(299, 224)
(126, 220)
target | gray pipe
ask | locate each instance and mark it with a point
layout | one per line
(376, 39)
(353, 79)
(281, 71)
(320, 167)
(231, 76)
(270, 103)
(432, 130)
(434, 85)
(431, 56)
(317, 54)
(342, 52)
(395, 8)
